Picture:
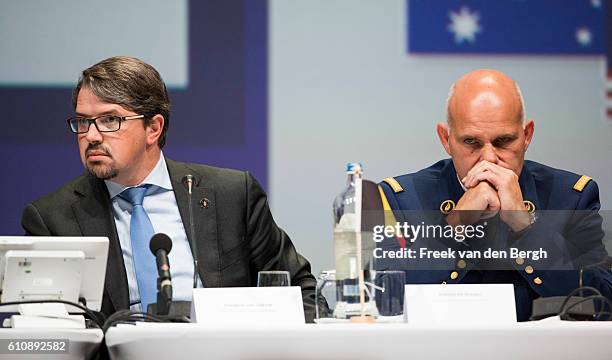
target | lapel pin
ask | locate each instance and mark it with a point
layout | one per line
(205, 203)
(447, 206)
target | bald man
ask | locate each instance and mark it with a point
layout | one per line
(487, 183)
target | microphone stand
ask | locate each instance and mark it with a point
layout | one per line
(163, 303)
(188, 182)
(167, 308)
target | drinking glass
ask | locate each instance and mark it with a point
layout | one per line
(273, 278)
(389, 292)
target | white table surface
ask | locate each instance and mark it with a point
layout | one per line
(548, 340)
(82, 343)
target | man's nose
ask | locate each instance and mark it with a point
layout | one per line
(489, 154)
(93, 135)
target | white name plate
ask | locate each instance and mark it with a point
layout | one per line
(441, 304)
(248, 305)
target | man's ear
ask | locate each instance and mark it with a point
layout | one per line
(443, 134)
(528, 130)
(154, 129)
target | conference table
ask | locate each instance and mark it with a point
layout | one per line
(546, 339)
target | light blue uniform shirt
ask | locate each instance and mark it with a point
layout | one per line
(161, 207)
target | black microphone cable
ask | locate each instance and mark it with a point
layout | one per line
(98, 318)
(564, 313)
(132, 317)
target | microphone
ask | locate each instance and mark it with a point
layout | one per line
(160, 246)
(188, 181)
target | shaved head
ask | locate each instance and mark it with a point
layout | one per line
(484, 86)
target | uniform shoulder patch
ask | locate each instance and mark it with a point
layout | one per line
(581, 183)
(394, 184)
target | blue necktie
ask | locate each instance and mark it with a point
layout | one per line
(141, 231)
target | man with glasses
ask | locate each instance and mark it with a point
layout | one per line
(131, 191)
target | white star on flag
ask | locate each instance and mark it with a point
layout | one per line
(464, 24)
(583, 36)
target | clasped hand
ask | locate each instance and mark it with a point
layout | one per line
(491, 188)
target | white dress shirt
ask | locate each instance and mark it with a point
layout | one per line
(161, 207)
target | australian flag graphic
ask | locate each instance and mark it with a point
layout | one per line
(513, 27)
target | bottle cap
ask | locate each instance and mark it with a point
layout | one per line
(354, 167)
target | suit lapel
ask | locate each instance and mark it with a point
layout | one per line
(94, 216)
(204, 220)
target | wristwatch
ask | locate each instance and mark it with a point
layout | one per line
(532, 219)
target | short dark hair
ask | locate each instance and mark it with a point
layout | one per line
(131, 83)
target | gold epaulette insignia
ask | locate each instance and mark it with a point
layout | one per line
(394, 185)
(581, 183)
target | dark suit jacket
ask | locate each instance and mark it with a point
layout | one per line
(236, 234)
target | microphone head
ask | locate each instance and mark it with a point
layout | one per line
(188, 182)
(160, 241)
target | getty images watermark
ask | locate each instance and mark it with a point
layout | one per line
(460, 233)
(427, 231)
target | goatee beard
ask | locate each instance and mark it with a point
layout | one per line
(102, 172)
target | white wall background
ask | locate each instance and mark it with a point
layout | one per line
(343, 88)
(47, 42)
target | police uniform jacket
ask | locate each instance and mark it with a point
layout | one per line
(571, 236)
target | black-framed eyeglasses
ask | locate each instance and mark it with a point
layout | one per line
(104, 123)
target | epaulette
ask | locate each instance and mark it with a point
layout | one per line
(389, 217)
(581, 183)
(394, 185)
